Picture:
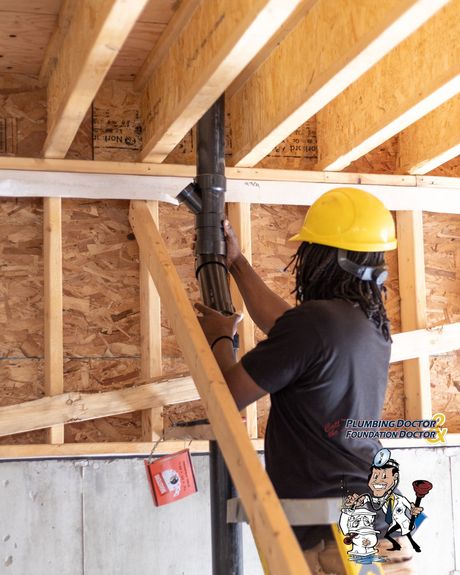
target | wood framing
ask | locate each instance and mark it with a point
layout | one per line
(117, 449)
(421, 342)
(412, 289)
(240, 217)
(423, 73)
(179, 20)
(250, 185)
(150, 308)
(53, 328)
(94, 37)
(76, 406)
(216, 44)
(268, 522)
(432, 141)
(332, 46)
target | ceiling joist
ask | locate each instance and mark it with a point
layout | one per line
(94, 37)
(332, 46)
(432, 141)
(216, 44)
(416, 77)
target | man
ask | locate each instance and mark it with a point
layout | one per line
(323, 361)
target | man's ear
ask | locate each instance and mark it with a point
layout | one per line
(396, 475)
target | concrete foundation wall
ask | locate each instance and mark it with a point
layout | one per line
(96, 517)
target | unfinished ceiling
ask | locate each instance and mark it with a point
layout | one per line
(366, 70)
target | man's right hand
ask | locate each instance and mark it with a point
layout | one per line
(354, 500)
(233, 246)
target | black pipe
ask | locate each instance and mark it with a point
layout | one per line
(212, 274)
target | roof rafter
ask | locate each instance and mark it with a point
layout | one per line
(432, 141)
(215, 45)
(416, 77)
(332, 46)
(94, 37)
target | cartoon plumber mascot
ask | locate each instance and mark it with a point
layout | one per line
(399, 512)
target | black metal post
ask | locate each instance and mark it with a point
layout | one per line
(212, 275)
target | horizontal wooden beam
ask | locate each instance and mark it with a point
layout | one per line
(214, 46)
(420, 342)
(141, 449)
(76, 406)
(95, 35)
(432, 141)
(413, 79)
(268, 522)
(245, 185)
(331, 47)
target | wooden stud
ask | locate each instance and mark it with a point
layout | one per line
(150, 307)
(330, 48)
(216, 44)
(432, 141)
(268, 522)
(412, 290)
(53, 328)
(240, 218)
(417, 76)
(76, 406)
(93, 40)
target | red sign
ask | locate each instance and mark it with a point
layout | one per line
(171, 477)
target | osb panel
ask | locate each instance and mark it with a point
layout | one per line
(445, 371)
(21, 379)
(299, 151)
(100, 280)
(117, 130)
(442, 267)
(442, 272)
(381, 160)
(21, 286)
(28, 109)
(126, 427)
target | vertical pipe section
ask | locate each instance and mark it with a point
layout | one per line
(212, 275)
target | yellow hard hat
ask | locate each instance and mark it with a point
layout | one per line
(350, 219)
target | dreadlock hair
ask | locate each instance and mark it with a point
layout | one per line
(318, 276)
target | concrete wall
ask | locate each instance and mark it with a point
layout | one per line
(96, 517)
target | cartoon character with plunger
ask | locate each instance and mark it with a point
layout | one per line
(400, 513)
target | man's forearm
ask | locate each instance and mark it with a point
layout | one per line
(264, 306)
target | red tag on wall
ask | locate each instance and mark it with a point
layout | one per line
(171, 477)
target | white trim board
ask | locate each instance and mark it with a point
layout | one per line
(421, 194)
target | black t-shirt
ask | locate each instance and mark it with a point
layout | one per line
(323, 362)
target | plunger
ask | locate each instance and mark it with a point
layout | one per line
(421, 488)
